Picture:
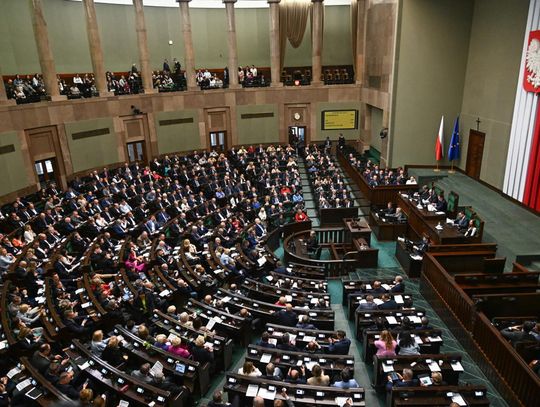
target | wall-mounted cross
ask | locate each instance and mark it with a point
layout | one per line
(478, 121)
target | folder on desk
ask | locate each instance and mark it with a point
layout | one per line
(266, 357)
(252, 390)
(392, 320)
(267, 394)
(457, 366)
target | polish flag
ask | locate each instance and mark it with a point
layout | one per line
(439, 145)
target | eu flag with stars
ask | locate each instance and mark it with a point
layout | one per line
(453, 150)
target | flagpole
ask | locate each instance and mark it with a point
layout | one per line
(451, 170)
(437, 169)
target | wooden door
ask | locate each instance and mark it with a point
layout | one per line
(475, 151)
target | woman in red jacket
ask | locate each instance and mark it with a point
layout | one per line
(300, 216)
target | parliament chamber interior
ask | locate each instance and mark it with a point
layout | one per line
(269, 203)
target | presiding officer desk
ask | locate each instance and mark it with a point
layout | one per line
(423, 222)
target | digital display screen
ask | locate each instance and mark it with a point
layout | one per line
(339, 120)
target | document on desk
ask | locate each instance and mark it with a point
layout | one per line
(288, 298)
(398, 299)
(435, 339)
(387, 368)
(308, 338)
(386, 287)
(431, 208)
(340, 401)
(440, 213)
(457, 398)
(415, 319)
(434, 367)
(267, 394)
(269, 278)
(13, 372)
(392, 320)
(272, 341)
(457, 366)
(266, 357)
(252, 390)
(378, 301)
(368, 287)
(261, 261)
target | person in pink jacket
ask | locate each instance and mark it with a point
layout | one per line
(386, 345)
(176, 348)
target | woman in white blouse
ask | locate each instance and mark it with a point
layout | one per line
(29, 235)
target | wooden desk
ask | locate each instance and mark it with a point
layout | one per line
(381, 366)
(423, 222)
(313, 395)
(357, 228)
(435, 396)
(386, 230)
(413, 267)
(366, 256)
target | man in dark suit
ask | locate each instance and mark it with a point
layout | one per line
(73, 326)
(368, 304)
(405, 380)
(339, 346)
(287, 316)
(388, 303)
(441, 205)
(399, 285)
(519, 334)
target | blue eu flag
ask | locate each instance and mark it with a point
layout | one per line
(453, 150)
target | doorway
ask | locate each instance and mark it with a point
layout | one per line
(297, 136)
(135, 151)
(218, 140)
(46, 171)
(475, 152)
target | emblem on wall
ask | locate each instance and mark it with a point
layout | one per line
(531, 78)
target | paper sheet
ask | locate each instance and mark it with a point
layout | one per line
(266, 358)
(252, 390)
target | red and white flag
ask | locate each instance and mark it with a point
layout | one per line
(439, 144)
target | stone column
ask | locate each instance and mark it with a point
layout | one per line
(3, 95)
(188, 44)
(361, 30)
(142, 42)
(46, 60)
(96, 53)
(275, 60)
(231, 42)
(316, 41)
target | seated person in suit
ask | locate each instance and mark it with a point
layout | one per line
(421, 247)
(404, 380)
(339, 345)
(388, 303)
(287, 316)
(264, 341)
(519, 333)
(441, 205)
(461, 221)
(368, 304)
(399, 285)
(305, 323)
(390, 210)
